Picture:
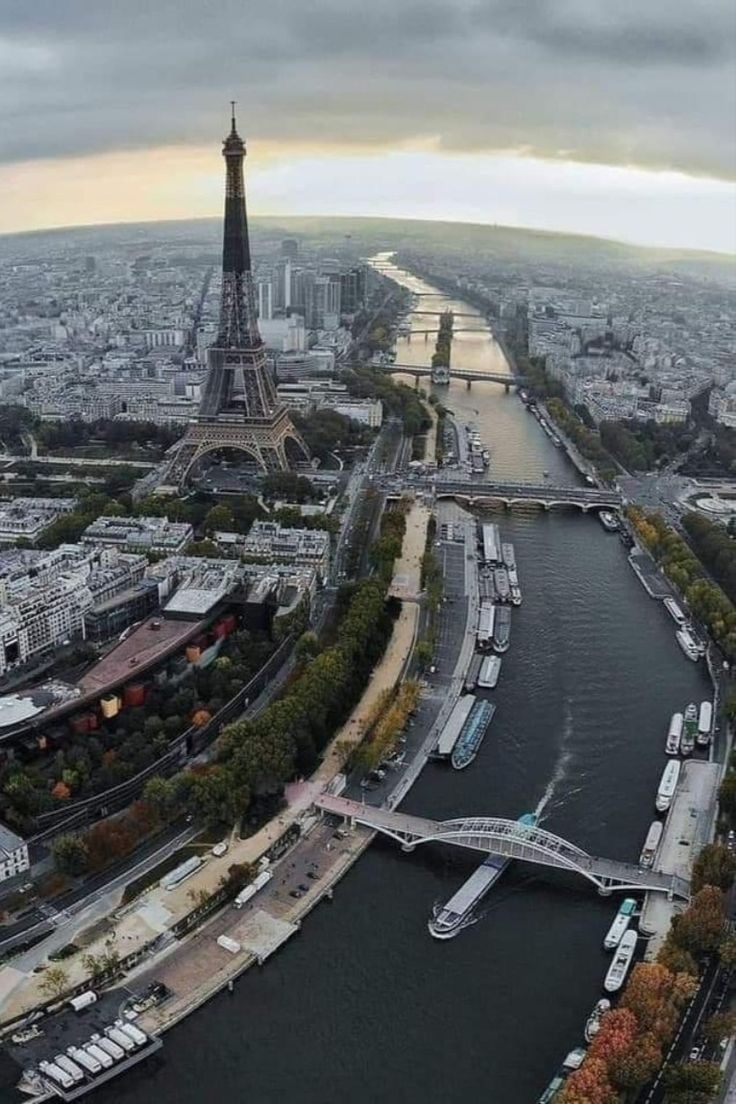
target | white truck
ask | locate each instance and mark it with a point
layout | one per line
(228, 944)
(87, 1061)
(110, 1047)
(83, 1000)
(99, 1054)
(123, 1041)
(69, 1067)
(56, 1075)
(250, 891)
(135, 1033)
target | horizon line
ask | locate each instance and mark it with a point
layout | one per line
(716, 254)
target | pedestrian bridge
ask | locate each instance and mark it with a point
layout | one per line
(497, 836)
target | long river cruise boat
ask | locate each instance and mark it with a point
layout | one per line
(451, 918)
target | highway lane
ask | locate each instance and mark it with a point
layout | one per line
(49, 916)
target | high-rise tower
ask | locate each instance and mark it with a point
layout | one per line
(239, 407)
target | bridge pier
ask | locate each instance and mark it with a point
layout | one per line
(604, 891)
(467, 385)
(408, 847)
(507, 387)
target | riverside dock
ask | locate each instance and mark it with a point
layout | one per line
(687, 829)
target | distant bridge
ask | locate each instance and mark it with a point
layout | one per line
(545, 494)
(457, 330)
(424, 371)
(455, 314)
(496, 836)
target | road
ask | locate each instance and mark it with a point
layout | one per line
(49, 917)
(79, 461)
(708, 1000)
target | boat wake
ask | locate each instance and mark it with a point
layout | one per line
(550, 798)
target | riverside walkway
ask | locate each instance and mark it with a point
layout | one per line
(510, 839)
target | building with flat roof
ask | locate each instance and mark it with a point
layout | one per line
(45, 597)
(140, 534)
(269, 542)
(202, 583)
(309, 394)
(28, 518)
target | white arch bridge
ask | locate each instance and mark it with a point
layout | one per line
(497, 836)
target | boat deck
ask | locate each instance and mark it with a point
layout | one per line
(476, 885)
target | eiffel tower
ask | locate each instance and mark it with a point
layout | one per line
(239, 407)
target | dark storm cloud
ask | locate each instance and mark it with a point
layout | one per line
(648, 82)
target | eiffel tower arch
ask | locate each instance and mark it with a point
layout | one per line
(239, 407)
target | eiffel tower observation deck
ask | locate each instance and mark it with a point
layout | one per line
(239, 408)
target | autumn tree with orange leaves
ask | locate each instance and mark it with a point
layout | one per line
(588, 1085)
(700, 928)
(655, 996)
(636, 1065)
(617, 1032)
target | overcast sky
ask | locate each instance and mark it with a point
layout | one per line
(615, 117)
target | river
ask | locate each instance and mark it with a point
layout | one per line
(363, 1005)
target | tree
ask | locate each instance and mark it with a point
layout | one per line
(215, 797)
(636, 1065)
(207, 549)
(219, 519)
(424, 653)
(714, 866)
(700, 928)
(727, 793)
(307, 646)
(71, 854)
(676, 958)
(720, 1026)
(238, 876)
(692, 1082)
(727, 952)
(98, 966)
(730, 702)
(55, 981)
(616, 1034)
(588, 1085)
(161, 795)
(653, 995)
(198, 897)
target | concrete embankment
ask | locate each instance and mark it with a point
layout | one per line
(688, 828)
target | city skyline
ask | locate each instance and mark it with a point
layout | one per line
(582, 120)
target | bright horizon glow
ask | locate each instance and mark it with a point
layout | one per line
(633, 205)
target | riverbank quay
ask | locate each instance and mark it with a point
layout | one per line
(688, 828)
(583, 466)
(649, 575)
(194, 968)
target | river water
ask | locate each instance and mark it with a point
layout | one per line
(363, 1006)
